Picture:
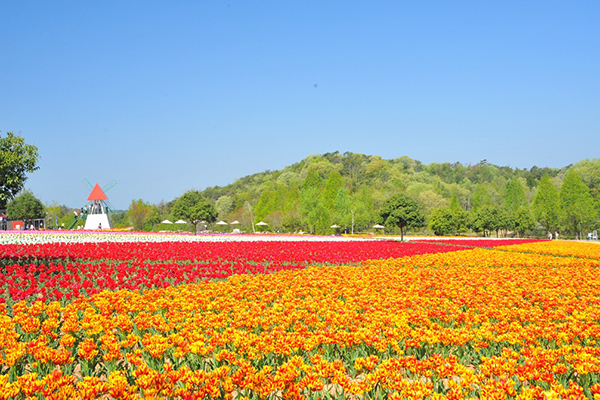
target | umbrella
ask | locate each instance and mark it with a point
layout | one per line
(378, 226)
(335, 226)
(261, 223)
(166, 221)
(221, 223)
(236, 222)
(180, 221)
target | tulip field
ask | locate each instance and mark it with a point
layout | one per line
(142, 316)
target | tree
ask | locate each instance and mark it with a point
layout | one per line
(57, 215)
(431, 200)
(362, 209)
(515, 196)
(224, 205)
(440, 221)
(138, 213)
(403, 212)
(352, 167)
(459, 215)
(523, 221)
(154, 217)
(292, 221)
(481, 196)
(333, 184)
(16, 160)
(489, 218)
(450, 219)
(250, 210)
(194, 208)
(341, 208)
(25, 207)
(546, 205)
(577, 204)
(118, 218)
(312, 208)
(268, 203)
(590, 174)
(316, 216)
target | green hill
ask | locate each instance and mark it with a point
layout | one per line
(349, 189)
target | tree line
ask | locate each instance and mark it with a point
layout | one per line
(354, 191)
(350, 190)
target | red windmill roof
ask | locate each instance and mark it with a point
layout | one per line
(97, 194)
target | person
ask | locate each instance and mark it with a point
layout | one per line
(100, 226)
(556, 235)
(550, 235)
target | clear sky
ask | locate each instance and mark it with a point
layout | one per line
(167, 96)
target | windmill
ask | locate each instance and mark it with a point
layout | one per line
(105, 189)
(98, 206)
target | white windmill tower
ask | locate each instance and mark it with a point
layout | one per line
(97, 210)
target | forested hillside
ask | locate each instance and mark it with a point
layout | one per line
(349, 189)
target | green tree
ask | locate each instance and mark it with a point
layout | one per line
(403, 212)
(488, 218)
(523, 221)
(118, 218)
(314, 212)
(362, 210)
(224, 205)
(315, 215)
(577, 204)
(353, 169)
(194, 208)
(341, 208)
(333, 184)
(481, 196)
(432, 200)
(459, 216)
(25, 207)
(57, 215)
(138, 213)
(546, 205)
(312, 180)
(515, 196)
(268, 203)
(154, 218)
(249, 214)
(16, 160)
(590, 174)
(441, 221)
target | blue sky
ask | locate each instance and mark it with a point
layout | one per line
(164, 97)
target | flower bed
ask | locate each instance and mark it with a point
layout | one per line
(57, 271)
(476, 242)
(560, 248)
(464, 324)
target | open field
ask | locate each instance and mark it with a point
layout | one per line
(176, 317)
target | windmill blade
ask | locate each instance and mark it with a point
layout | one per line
(110, 206)
(87, 183)
(109, 186)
